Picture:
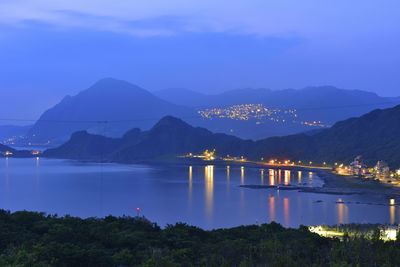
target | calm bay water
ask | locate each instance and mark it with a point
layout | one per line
(205, 196)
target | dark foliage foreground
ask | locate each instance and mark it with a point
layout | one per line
(34, 239)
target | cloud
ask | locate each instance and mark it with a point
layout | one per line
(305, 18)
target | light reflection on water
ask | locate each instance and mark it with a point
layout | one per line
(209, 190)
(342, 212)
(190, 183)
(262, 176)
(206, 196)
(271, 177)
(272, 208)
(242, 175)
(287, 177)
(286, 212)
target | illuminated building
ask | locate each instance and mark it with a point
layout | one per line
(7, 153)
(357, 167)
(382, 169)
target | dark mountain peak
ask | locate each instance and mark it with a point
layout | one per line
(374, 136)
(381, 117)
(111, 85)
(108, 99)
(79, 134)
(134, 133)
(66, 98)
(83, 135)
(171, 122)
(110, 81)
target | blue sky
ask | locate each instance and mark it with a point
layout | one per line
(52, 48)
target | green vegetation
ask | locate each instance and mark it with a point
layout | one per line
(357, 182)
(34, 239)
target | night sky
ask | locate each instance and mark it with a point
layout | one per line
(49, 48)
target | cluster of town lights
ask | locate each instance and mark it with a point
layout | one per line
(381, 170)
(258, 112)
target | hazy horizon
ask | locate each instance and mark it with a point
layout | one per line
(14, 120)
(51, 49)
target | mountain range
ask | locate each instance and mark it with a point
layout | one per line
(326, 103)
(121, 103)
(373, 135)
(167, 138)
(110, 107)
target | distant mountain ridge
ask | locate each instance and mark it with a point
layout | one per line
(312, 96)
(327, 104)
(124, 104)
(169, 137)
(293, 98)
(111, 107)
(373, 135)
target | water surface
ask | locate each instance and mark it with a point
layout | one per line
(206, 196)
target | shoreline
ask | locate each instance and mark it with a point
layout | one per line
(333, 183)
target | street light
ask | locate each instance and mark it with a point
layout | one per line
(138, 211)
